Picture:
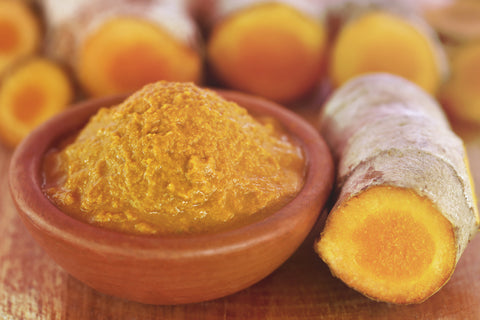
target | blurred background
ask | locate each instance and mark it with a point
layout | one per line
(54, 53)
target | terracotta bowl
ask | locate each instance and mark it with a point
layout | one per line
(168, 269)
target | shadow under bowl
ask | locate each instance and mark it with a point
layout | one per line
(168, 269)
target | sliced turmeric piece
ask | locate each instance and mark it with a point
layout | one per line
(124, 54)
(377, 41)
(20, 32)
(273, 50)
(406, 206)
(32, 92)
(120, 46)
(460, 95)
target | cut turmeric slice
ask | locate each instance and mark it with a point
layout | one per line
(393, 255)
(382, 42)
(272, 50)
(118, 46)
(406, 206)
(20, 32)
(460, 95)
(125, 53)
(34, 91)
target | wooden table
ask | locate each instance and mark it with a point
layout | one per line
(32, 286)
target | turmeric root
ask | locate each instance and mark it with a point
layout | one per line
(457, 21)
(271, 49)
(406, 208)
(379, 41)
(119, 46)
(31, 93)
(20, 32)
(460, 95)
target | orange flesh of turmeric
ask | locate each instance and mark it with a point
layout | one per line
(28, 102)
(270, 50)
(33, 92)
(20, 32)
(403, 234)
(124, 54)
(390, 244)
(375, 60)
(380, 42)
(139, 63)
(461, 93)
(467, 68)
(8, 36)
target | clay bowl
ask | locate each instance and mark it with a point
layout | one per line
(168, 269)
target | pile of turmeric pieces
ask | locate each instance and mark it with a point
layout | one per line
(286, 51)
(53, 53)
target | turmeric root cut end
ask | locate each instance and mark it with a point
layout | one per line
(460, 95)
(380, 42)
(124, 54)
(390, 244)
(32, 93)
(20, 32)
(270, 50)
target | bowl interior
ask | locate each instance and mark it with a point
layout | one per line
(26, 181)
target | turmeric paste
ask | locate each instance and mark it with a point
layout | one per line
(174, 159)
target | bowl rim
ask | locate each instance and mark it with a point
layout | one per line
(25, 180)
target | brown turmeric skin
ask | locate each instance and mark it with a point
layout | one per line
(406, 206)
(175, 159)
(457, 22)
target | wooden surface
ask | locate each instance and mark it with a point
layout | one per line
(32, 286)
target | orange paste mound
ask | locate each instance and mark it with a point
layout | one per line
(174, 159)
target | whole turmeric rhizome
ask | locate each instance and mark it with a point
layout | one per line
(405, 207)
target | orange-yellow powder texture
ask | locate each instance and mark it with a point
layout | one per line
(175, 159)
